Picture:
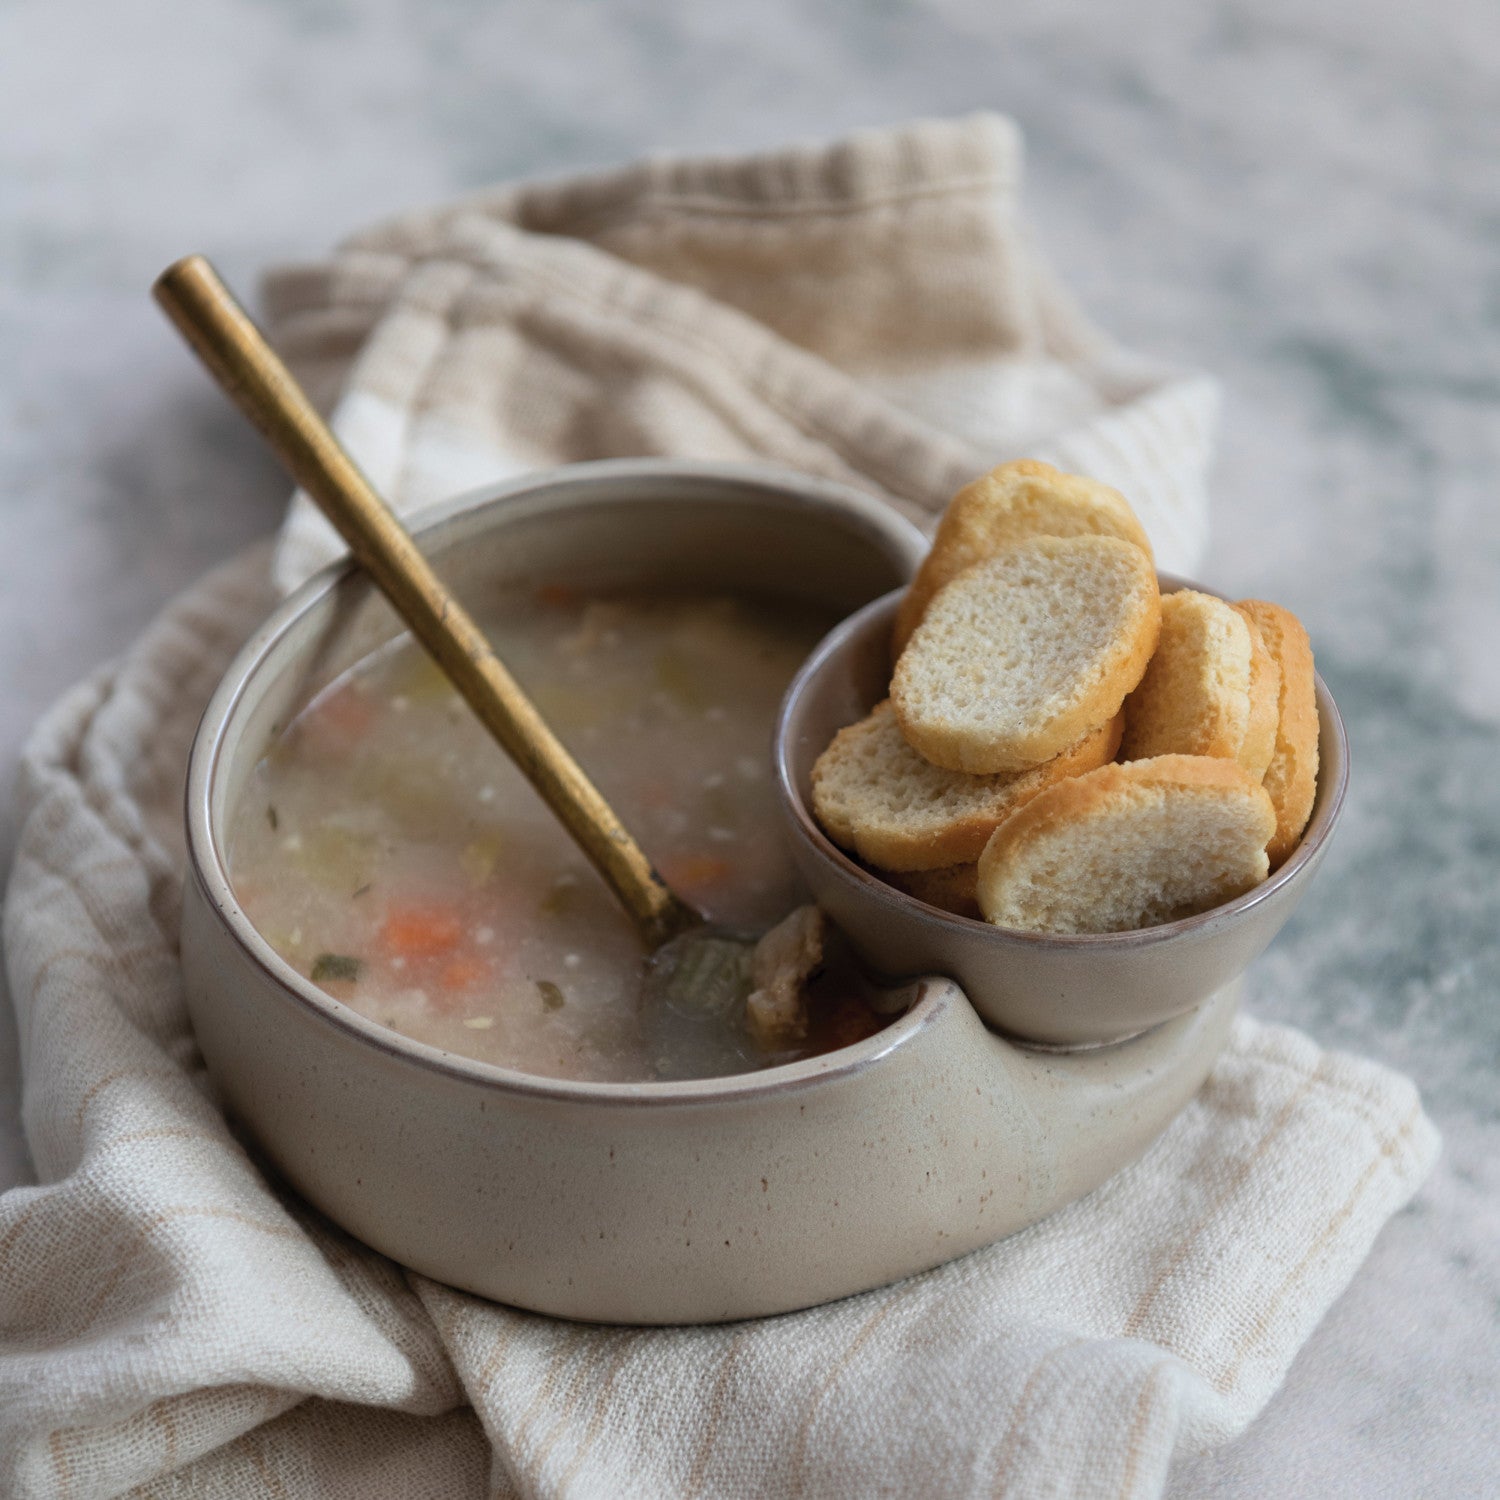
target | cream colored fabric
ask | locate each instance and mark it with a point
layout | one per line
(171, 1320)
(873, 312)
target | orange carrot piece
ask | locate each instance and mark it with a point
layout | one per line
(420, 931)
(463, 974)
(347, 712)
(558, 594)
(696, 872)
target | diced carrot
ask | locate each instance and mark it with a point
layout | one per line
(334, 724)
(696, 872)
(420, 931)
(842, 1023)
(347, 712)
(558, 594)
(462, 974)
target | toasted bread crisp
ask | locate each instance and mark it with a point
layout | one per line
(874, 794)
(1195, 696)
(1128, 846)
(1022, 655)
(1018, 500)
(1292, 776)
(1259, 744)
(954, 888)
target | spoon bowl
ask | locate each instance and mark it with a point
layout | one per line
(1056, 990)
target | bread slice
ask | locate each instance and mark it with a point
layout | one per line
(1292, 776)
(954, 888)
(874, 794)
(1018, 500)
(1195, 696)
(1259, 744)
(1023, 654)
(1128, 846)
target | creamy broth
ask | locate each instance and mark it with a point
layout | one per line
(387, 849)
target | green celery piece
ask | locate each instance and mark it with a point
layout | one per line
(418, 678)
(337, 859)
(681, 676)
(341, 966)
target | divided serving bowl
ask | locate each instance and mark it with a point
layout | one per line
(681, 1202)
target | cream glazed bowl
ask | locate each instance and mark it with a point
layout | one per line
(653, 1202)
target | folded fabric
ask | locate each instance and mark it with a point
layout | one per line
(873, 311)
(172, 1319)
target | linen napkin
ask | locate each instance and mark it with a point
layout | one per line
(174, 1322)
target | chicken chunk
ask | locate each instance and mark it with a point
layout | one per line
(784, 960)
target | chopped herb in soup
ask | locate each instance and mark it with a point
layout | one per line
(387, 849)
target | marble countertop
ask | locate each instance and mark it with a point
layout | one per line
(1302, 203)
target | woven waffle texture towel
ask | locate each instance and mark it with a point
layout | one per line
(173, 1323)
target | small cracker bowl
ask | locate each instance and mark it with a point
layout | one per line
(1059, 991)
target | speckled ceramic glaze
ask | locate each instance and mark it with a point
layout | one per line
(1059, 991)
(651, 1203)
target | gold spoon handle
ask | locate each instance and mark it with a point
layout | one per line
(232, 347)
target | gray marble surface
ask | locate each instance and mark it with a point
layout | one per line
(1303, 201)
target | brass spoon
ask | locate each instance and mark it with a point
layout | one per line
(693, 967)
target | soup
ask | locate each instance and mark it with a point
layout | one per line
(387, 849)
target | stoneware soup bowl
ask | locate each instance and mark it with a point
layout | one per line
(1062, 991)
(643, 1202)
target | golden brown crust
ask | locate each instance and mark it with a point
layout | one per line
(1068, 801)
(968, 619)
(1259, 744)
(1292, 776)
(1194, 698)
(861, 818)
(1022, 883)
(1014, 501)
(954, 888)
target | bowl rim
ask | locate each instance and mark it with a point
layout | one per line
(1327, 807)
(590, 484)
